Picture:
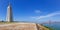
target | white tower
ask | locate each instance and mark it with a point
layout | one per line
(9, 17)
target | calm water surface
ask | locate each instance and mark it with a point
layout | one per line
(56, 26)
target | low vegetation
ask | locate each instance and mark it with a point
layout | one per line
(50, 28)
(41, 27)
(7, 22)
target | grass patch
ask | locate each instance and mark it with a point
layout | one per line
(7, 22)
(50, 28)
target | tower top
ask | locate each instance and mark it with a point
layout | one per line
(9, 5)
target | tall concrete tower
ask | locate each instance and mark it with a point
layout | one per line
(9, 17)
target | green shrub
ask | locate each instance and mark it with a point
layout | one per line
(50, 28)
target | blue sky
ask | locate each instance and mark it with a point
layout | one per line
(32, 10)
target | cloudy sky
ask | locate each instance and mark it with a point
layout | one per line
(32, 10)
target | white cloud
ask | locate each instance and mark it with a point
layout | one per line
(37, 11)
(46, 16)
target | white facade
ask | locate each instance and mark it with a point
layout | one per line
(9, 17)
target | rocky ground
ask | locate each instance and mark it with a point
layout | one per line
(21, 26)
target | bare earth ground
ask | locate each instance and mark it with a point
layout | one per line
(19, 26)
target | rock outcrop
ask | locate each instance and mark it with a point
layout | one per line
(22, 26)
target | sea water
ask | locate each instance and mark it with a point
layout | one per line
(56, 26)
